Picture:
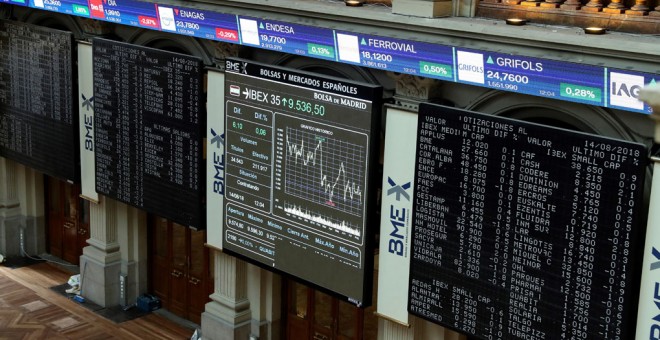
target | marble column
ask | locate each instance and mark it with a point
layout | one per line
(265, 295)
(10, 214)
(395, 331)
(100, 263)
(32, 209)
(228, 315)
(132, 239)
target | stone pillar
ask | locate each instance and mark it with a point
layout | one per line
(419, 329)
(265, 295)
(132, 238)
(10, 212)
(228, 315)
(33, 220)
(394, 331)
(100, 263)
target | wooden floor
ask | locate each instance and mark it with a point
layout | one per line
(29, 309)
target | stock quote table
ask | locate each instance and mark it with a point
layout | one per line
(37, 120)
(524, 231)
(148, 131)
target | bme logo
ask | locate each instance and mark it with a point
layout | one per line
(399, 217)
(624, 90)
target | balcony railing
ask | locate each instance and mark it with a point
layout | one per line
(633, 16)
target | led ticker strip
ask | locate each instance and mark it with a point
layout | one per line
(296, 39)
(566, 81)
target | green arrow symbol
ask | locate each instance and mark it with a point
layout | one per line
(652, 83)
(490, 60)
(261, 25)
(363, 42)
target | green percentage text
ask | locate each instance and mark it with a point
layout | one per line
(592, 94)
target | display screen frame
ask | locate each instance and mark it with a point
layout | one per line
(267, 74)
(450, 278)
(178, 202)
(51, 162)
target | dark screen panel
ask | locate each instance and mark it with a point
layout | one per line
(148, 113)
(38, 125)
(299, 174)
(524, 231)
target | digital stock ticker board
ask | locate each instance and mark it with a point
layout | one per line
(38, 121)
(524, 231)
(148, 110)
(299, 169)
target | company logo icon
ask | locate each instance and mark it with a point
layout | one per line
(470, 67)
(655, 265)
(39, 3)
(249, 31)
(166, 15)
(235, 90)
(398, 190)
(96, 9)
(348, 47)
(624, 90)
(217, 139)
(218, 163)
(87, 103)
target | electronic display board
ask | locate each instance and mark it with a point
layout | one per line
(567, 81)
(286, 37)
(38, 118)
(299, 161)
(148, 114)
(523, 231)
(199, 23)
(396, 55)
(539, 77)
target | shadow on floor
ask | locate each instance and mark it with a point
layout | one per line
(15, 262)
(116, 314)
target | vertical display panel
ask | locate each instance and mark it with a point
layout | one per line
(86, 123)
(148, 129)
(37, 111)
(215, 158)
(298, 176)
(395, 214)
(524, 231)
